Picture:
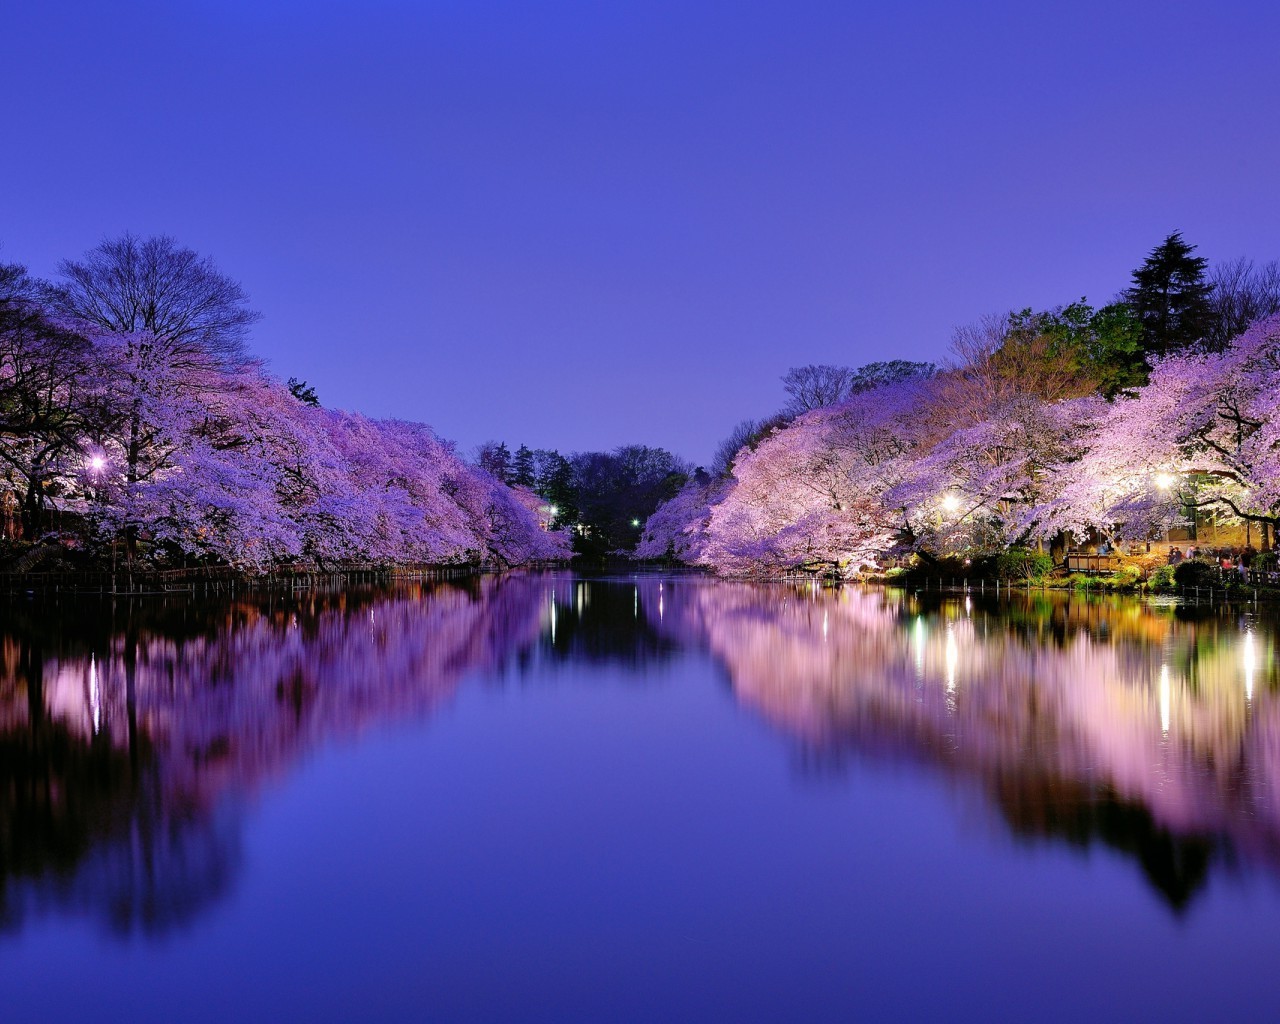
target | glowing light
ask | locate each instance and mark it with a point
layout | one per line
(1165, 699)
(950, 502)
(95, 695)
(953, 659)
(1250, 663)
(635, 522)
(1164, 481)
(824, 625)
(553, 510)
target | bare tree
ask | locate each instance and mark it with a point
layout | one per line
(727, 450)
(747, 434)
(1242, 294)
(813, 386)
(154, 285)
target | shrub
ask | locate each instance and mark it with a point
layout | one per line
(1124, 577)
(1196, 574)
(1162, 578)
(1021, 564)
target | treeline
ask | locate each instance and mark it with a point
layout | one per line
(1155, 410)
(133, 419)
(602, 498)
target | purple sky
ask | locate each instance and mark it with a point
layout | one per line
(583, 224)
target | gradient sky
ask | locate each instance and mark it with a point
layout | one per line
(584, 224)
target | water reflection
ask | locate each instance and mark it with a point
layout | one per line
(1153, 730)
(130, 735)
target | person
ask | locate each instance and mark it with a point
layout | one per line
(1175, 555)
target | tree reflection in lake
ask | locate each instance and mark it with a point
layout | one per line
(131, 734)
(1154, 730)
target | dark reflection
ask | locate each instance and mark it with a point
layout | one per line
(131, 733)
(604, 620)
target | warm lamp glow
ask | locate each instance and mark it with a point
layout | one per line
(1164, 481)
(950, 502)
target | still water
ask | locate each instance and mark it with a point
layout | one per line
(551, 797)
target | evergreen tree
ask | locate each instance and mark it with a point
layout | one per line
(495, 459)
(1170, 297)
(302, 391)
(522, 470)
(555, 484)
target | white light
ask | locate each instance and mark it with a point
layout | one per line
(1164, 481)
(950, 502)
(554, 510)
(953, 659)
(1249, 664)
(1165, 699)
(97, 462)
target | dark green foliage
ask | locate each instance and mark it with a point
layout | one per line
(554, 482)
(616, 490)
(1170, 297)
(1105, 343)
(522, 468)
(1196, 574)
(1021, 564)
(894, 371)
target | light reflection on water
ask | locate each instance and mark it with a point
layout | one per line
(131, 736)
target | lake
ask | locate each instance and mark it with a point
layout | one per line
(556, 797)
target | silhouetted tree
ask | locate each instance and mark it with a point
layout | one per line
(303, 392)
(523, 473)
(1170, 297)
(1242, 294)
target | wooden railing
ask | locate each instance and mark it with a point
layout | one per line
(216, 578)
(1080, 561)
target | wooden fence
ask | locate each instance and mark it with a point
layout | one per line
(217, 579)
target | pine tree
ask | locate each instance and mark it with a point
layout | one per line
(1170, 297)
(522, 472)
(495, 459)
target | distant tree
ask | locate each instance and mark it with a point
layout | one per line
(523, 470)
(617, 491)
(815, 386)
(495, 458)
(554, 483)
(895, 371)
(157, 288)
(303, 392)
(1242, 294)
(1170, 297)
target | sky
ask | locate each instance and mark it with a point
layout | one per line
(585, 224)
